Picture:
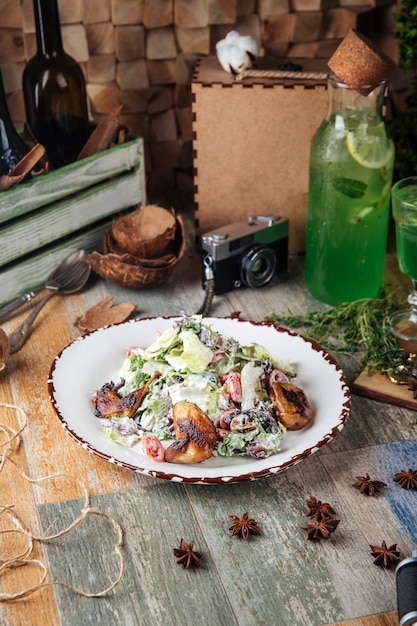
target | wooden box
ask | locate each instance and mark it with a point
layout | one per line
(251, 143)
(44, 219)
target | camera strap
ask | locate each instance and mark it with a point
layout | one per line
(209, 286)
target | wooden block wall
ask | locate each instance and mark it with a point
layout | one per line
(141, 53)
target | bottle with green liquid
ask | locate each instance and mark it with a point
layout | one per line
(351, 166)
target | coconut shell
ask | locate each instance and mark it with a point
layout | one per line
(128, 271)
(146, 232)
(110, 245)
(358, 63)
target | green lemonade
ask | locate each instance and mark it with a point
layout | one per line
(406, 230)
(351, 166)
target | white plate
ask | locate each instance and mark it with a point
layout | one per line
(90, 361)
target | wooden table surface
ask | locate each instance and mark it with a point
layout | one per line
(277, 578)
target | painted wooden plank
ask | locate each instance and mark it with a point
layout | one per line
(17, 492)
(390, 516)
(32, 271)
(394, 508)
(69, 215)
(337, 577)
(155, 589)
(384, 619)
(370, 424)
(74, 177)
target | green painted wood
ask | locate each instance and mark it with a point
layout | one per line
(69, 215)
(24, 275)
(27, 197)
(274, 579)
(155, 590)
(280, 578)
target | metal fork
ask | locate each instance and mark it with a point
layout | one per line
(55, 281)
(73, 279)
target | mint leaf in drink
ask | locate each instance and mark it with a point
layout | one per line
(350, 187)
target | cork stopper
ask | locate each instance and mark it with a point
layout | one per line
(358, 63)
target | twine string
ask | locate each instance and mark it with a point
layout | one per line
(11, 444)
(253, 73)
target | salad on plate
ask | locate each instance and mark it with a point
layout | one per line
(206, 392)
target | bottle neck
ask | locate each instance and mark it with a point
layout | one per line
(6, 120)
(12, 146)
(368, 99)
(3, 101)
(48, 27)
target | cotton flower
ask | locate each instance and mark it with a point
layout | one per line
(236, 53)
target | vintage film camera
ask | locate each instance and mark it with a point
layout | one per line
(246, 254)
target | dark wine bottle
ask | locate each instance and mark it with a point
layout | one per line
(12, 146)
(54, 91)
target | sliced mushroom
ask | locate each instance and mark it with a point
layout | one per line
(242, 423)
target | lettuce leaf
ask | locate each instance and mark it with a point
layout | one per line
(123, 431)
(252, 392)
(235, 444)
(193, 357)
(164, 343)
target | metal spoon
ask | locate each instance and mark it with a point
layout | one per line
(75, 278)
(54, 282)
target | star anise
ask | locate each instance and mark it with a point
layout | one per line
(244, 526)
(407, 480)
(320, 529)
(384, 556)
(318, 509)
(368, 486)
(187, 555)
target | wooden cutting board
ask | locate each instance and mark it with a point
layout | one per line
(379, 387)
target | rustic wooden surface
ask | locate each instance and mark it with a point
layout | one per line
(380, 387)
(275, 579)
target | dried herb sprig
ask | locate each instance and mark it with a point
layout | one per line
(362, 326)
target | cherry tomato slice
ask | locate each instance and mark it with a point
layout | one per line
(153, 448)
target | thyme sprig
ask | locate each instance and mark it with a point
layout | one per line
(359, 327)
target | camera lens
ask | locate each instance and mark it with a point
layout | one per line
(258, 266)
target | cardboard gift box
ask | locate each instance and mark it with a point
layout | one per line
(42, 220)
(251, 143)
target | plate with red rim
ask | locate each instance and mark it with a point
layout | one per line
(83, 366)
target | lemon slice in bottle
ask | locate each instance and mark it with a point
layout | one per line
(369, 146)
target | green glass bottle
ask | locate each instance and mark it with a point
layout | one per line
(351, 166)
(12, 146)
(54, 91)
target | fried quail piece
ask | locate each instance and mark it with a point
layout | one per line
(108, 403)
(195, 435)
(291, 405)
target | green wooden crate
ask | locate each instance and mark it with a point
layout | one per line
(42, 220)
